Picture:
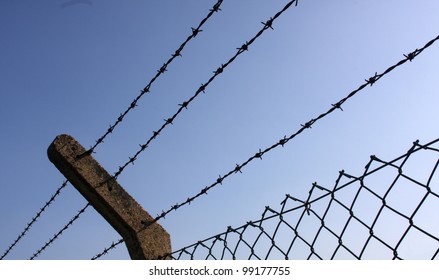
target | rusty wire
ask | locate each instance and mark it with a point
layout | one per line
(133, 104)
(258, 155)
(241, 242)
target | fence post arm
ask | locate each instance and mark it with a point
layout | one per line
(144, 238)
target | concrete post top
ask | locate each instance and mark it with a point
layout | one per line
(145, 238)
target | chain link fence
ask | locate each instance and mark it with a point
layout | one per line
(388, 212)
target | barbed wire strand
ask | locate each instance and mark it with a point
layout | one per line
(269, 213)
(371, 81)
(34, 219)
(108, 249)
(58, 234)
(146, 89)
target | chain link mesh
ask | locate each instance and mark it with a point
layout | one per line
(388, 212)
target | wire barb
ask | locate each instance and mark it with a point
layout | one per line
(268, 24)
(372, 79)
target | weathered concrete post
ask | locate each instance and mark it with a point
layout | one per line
(143, 240)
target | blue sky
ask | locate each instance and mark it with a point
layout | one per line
(75, 68)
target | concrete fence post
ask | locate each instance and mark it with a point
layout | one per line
(144, 238)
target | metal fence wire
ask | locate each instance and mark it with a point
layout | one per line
(388, 212)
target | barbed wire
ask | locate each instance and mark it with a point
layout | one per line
(184, 105)
(162, 70)
(267, 25)
(232, 246)
(238, 168)
(146, 89)
(285, 140)
(259, 155)
(58, 234)
(108, 249)
(34, 219)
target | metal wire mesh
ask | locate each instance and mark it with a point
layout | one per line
(388, 212)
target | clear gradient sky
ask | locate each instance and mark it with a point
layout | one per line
(74, 66)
